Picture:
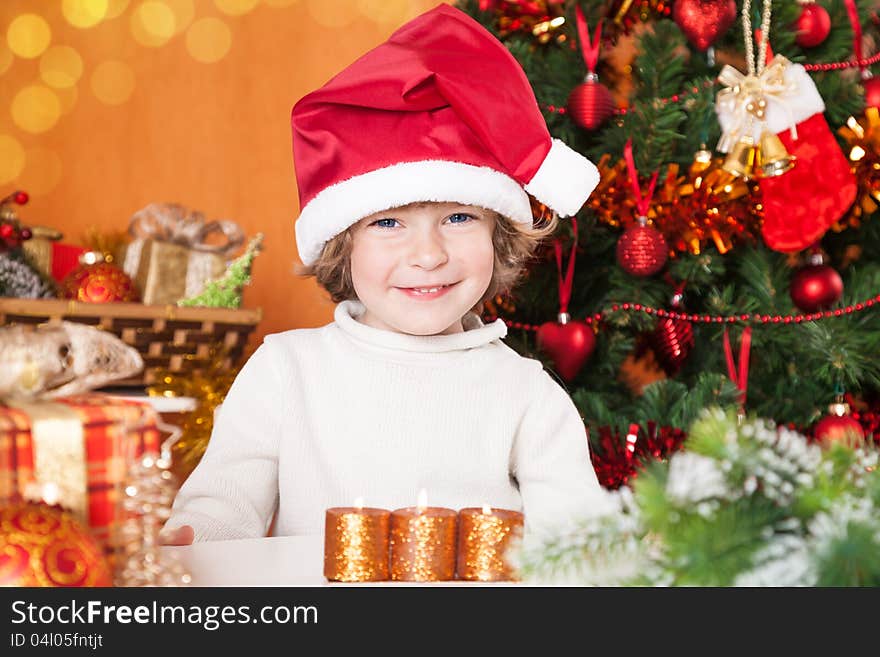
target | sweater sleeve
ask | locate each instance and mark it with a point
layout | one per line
(232, 492)
(551, 461)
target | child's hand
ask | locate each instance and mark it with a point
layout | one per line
(180, 536)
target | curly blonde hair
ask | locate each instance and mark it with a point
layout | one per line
(514, 244)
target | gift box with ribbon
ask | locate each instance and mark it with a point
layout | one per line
(173, 253)
(39, 247)
(81, 446)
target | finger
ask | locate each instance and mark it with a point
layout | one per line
(181, 536)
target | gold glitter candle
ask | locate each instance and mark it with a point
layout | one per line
(484, 535)
(423, 543)
(356, 544)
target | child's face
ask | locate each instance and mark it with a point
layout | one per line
(419, 268)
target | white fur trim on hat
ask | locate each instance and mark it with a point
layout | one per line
(343, 204)
(564, 180)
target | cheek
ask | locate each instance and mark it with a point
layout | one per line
(481, 256)
(368, 264)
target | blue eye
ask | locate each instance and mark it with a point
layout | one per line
(464, 218)
(384, 223)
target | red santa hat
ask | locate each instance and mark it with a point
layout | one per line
(441, 111)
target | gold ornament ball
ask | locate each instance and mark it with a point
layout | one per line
(100, 282)
(43, 545)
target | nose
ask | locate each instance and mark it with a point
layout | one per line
(428, 249)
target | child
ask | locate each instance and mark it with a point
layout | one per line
(413, 166)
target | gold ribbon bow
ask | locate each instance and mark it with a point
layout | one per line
(170, 222)
(744, 97)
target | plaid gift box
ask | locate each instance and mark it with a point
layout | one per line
(81, 444)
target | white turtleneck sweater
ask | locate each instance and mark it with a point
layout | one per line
(319, 417)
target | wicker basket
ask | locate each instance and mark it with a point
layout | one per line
(167, 337)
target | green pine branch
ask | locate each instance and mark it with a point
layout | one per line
(226, 291)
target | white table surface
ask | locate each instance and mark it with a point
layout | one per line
(160, 404)
(275, 561)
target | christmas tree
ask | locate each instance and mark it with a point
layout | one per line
(731, 253)
(226, 291)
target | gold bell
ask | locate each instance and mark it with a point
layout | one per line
(775, 159)
(743, 158)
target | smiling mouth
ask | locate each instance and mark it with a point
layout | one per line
(433, 290)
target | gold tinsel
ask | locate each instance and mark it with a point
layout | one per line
(862, 135)
(627, 13)
(705, 205)
(543, 19)
(108, 242)
(146, 505)
(208, 386)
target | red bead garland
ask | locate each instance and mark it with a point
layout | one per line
(685, 94)
(744, 318)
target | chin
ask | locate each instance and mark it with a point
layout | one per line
(426, 328)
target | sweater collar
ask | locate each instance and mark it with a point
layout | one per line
(475, 334)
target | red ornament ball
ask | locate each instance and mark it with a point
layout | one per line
(100, 282)
(21, 197)
(568, 345)
(672, 341)
(816, 287)
(813, 25)
(872, 92)
(843, 429)
(703, 21)
(11, 236)
(642, 251)
(590, 104)
(42, 545)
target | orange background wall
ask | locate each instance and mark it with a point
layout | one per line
(214, 137)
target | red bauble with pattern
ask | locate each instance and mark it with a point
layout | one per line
(813, 25)
(872, 92)
(590, 104)
(816, 287)
(843, 429)
(672, 341)
(568, 345)
(42, 545)
(642, 251)
(703, 21)
(100, 282)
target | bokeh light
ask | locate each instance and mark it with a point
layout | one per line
(152, 23)
(84, 13)
(340, 13)
(235, 7)
(35, 109)
(41, 173)
(208, 40)
(11, 159)
(115, 8)
(184, 12)
(392, 12)
(61, 67)
(113, 82)
(280, 3)
(28, 35)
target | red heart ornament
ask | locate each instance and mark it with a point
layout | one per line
(703, 21)
(568, 345)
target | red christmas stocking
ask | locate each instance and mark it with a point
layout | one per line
(802, 203)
